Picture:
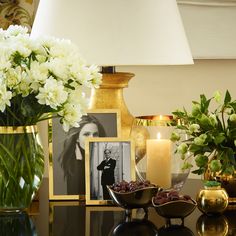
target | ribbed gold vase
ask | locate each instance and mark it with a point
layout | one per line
(110, 96)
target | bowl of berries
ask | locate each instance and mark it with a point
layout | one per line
(133, 194)
(170, 204)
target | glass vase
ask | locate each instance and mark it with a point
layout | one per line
(21, 167)
(145, 132)
(16, 224)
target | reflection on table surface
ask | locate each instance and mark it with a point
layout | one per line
(75, 218)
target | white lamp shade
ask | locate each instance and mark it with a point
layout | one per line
(117, 32)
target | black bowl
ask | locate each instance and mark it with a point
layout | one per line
(175, 209)
(140, 198)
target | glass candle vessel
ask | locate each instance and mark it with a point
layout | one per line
(155, 155)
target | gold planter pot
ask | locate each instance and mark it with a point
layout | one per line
(212, 200)
(228, 182)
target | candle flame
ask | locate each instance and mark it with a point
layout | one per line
(158, 135)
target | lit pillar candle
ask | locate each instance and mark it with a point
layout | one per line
(159, 162)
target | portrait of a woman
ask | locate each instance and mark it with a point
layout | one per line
(72, 158)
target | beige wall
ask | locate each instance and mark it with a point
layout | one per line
(161, 89)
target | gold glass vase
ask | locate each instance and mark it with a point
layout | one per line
(21, 167)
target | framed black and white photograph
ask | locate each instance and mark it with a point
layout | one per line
(108, 160)
(67, 151)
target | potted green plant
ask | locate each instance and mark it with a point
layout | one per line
(211, 130)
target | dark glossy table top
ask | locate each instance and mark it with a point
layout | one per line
(56, 218)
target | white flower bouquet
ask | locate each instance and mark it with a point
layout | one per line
(41, 78)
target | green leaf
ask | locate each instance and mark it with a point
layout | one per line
(199, 171)
(219, 138)
(227, 97)
(194, 148)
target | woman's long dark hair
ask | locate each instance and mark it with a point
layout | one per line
(70, 142)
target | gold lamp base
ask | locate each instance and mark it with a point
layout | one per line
(110, 96)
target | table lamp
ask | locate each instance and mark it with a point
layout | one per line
(116, 33)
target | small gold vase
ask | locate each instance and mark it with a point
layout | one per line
(228, 182)
(212, 200)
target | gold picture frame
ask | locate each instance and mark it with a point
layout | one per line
(59, 184)
(121, 166)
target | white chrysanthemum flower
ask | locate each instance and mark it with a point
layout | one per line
(24, 85)
(62, 48)
(5, 97)
(41, 58)
(71, 116)
(13, 77)
(78, 97)
(38, 73)
(52, 93)
(58, 67)
(96, 76)
(46, 41)
(20, 48)
(84, 76)
(14, 30)
(2, 34)
(5, 62)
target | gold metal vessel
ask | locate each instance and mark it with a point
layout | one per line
(212, 200)
(110, 96)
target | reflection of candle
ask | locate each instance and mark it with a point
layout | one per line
(159, 162)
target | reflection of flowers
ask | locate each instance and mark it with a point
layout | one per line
(212, 134)
(41, 78)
